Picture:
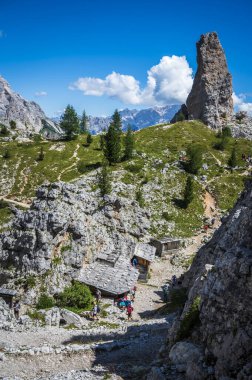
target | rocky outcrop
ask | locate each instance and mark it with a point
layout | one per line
(28, 116)
(210, 99)
(220, 279)
(64, 230)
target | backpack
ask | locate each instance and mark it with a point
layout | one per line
(98, 309)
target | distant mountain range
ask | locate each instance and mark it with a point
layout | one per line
(137, 119)
(29, 118)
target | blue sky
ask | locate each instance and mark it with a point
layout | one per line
(47, 45)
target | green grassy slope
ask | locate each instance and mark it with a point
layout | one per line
(154, 168)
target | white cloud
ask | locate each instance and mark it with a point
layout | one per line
(40, 93)
(168, 82)
(240, 103)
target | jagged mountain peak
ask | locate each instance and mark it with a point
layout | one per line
(28, 115)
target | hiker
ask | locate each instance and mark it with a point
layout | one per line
(129, 312)
(134, 262)
(165, 289)
(243, 157)
(95, 311)
(174, 280)
(16, 308)
(132, 294)
(98, 295)
(213, 221)
(205, 227)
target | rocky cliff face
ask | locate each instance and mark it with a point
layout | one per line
(220, 282)
(28, 116)
(210, 99)
(65, 229)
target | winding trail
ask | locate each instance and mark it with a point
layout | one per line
(74, 156)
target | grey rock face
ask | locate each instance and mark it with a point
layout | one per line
(71, 318)
(28, 116)
(6, 315)
(65, 229)
(221, 275)
(210, 99)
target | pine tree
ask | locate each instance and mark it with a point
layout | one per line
(129, 144)
(84, 127)
(188, 192)
(112, 146)
(233, 158)
(194, 153)
(102, 141)
(117, 121)
(70, 122)
(104, 182)
(41, 154)
(89, 138)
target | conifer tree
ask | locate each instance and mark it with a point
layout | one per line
(70, 122)
(41, 155)
(102, 141)
(233, 158)
(104, 181)
(194, 153)
(112, 146)
(84, 127)
(117, 121)
(89, 138)
(129, 144)
(188, 192)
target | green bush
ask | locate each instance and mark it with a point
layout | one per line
(77, 295)
(3, 204)
(45, 302)
(6, 154)
(4, 131)
(13, 124)
(135, 168)
(30, 281)
(140, 197)
(191, 319)
(35, 314)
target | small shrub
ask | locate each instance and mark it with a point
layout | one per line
(41, 155)
(167, 216)
(35, 314)
(180, 117)
(4, 131)
(135, 168)
(77, 295)
(6, 154)
(191, 319)
(45, 302)
(30, 281)
(65, 248)
(3, 204)
(140, 198)
(57, 260)
(13, 124)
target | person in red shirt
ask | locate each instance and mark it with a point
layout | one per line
(129, 312)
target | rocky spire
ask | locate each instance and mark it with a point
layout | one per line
(210, 99)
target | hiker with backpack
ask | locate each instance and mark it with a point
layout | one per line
(95, 311)
(129, 312)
